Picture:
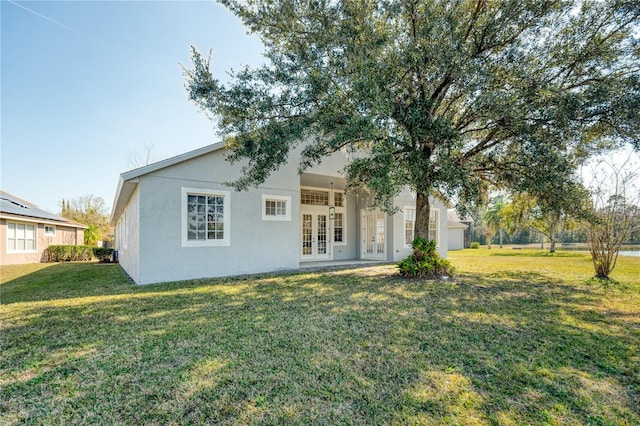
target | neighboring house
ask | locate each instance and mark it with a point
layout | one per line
(176, 219)
(26, 231)
(456, 230)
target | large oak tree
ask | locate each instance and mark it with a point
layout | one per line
(443, 96)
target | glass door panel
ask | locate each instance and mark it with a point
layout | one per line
(373, 235)
(315, 236)
(322, 234)
(307, 235)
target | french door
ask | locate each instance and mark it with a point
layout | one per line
(315, 236)
(373, 235)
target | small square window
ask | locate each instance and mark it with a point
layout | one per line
(49, 231)
(276, 207)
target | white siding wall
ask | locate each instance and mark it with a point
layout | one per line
(128, 237)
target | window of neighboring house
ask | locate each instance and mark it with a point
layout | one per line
(21, 237)
(205, 217)
(49, 231)
(410, 222)
(276, 207)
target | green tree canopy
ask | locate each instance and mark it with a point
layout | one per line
(90, 211)
(443, 96)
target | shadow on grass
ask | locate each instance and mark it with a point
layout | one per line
(532, 253)
(360, 347)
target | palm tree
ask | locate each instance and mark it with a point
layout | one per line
(492, 219)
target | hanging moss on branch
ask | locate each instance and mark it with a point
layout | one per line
(425, 261)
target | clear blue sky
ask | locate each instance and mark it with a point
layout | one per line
(86, 83)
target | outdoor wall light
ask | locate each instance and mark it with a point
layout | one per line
(332, 212)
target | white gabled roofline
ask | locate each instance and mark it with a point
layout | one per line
(132, 174)
(129, 180)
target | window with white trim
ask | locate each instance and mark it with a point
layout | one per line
(410, 222)
(434, 215)
(276, 207)
(314, 197)
(338, 229)
(49, 231)
(205, 217)
(338, 199)
(409, 225)
(340, 219)
(21, 237)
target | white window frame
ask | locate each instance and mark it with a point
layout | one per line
(226, 217)
(344, 228)
(50, 234)
(285, 198)
(343, 210)
(331, 200)
(407, 244)
(35, 237)
(437, 227)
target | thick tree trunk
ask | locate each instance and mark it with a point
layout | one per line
(423, 209)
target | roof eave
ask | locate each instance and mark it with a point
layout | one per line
(35, 219)
(128, 181)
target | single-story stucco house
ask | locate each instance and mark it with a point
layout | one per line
(27, 231)
(176, 219)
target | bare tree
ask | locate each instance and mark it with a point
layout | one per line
(616, 201)
(142, 158)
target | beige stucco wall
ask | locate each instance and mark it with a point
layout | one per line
(63, 235)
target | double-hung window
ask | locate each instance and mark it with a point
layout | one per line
(21, 237)
(434, 216)
(409, 225)
(410, 222)
(339, 221)
(276, 207)
(205, 217)
(338, 229)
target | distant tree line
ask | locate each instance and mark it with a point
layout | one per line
(90, 211)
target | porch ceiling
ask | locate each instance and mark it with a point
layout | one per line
(322, 181)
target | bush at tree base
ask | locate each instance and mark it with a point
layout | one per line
(424, 261)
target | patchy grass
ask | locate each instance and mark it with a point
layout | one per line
(510, 340)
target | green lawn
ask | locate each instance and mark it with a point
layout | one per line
(517, 337)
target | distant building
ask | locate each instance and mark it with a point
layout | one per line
(26, 231)
(458, 231)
